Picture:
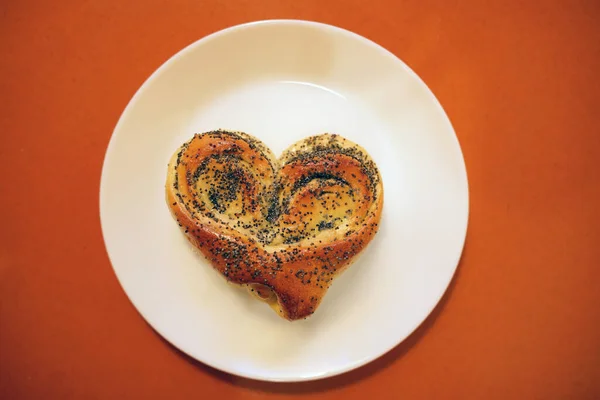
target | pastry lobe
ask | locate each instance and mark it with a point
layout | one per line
(284, 228)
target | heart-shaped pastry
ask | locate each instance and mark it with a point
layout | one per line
(283, 227)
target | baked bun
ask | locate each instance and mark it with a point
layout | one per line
(284, 228)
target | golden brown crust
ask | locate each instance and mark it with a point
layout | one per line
(285, 228)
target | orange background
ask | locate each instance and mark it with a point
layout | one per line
(520, 83)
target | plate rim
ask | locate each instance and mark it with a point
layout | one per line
(323, 26)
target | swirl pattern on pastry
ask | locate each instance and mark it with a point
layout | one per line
(286, 227)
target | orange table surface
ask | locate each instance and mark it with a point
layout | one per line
(520, 83)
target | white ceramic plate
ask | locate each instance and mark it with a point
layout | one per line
(282, 81)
